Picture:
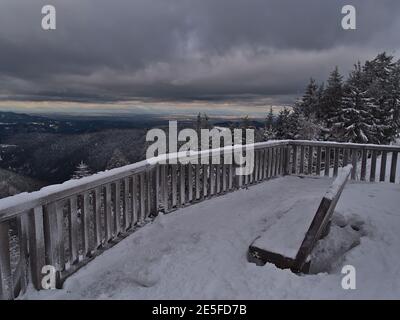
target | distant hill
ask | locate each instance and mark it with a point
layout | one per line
(12, 183)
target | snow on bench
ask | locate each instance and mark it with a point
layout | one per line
(288, 242)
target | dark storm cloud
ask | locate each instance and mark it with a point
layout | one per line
(184, 49)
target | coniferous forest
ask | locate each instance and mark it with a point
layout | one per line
(364, 107)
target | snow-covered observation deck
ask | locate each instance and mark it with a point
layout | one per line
(69, 225)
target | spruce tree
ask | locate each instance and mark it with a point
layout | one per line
(379, 74)
(357, 120)
(332, 101)
(308, 104)
(82, 170)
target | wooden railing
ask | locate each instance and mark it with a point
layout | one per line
(68, 225)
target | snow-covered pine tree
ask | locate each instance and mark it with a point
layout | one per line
(379, 73)
(269, 130)
(117, 160)
(286, 127)
(319, 112)
(332, 101)
(357, 121)
(309, 103)
(82, 170)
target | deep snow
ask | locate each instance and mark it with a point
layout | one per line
(199, 252)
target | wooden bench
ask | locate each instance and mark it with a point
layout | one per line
(289, 242)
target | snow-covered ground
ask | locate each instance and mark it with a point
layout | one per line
(200, 252)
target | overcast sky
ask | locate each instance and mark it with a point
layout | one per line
(251, 52)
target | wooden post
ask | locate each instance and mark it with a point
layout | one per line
(182, 185)
(135, 201)
(73, 230)
(294, 163)
(318, 166)
(97, 217)
(197, 184)
(393, 167)
(126, 216)
(149, 187)
(174, 185)
(363, 164)
(190, 182)
(54, 242)
(345, 157)
(86, 224)
(354, 158)
(382, 176)
(142, 191)
(21, 273)
(373, 166)
(6, 281)
(336, 162)
(36, 245)
(205, 180)
(117, 208)
(327, 161)
(310, 160)
(301, 160)
(107, 212)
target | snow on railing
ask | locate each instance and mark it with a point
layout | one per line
(69, 224)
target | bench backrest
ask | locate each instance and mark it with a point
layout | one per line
(322, 217)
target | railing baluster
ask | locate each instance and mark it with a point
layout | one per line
(224, 178)
(294, 164)
(218, 178)
(174, 185)
(107, 212)
(271, 162)
(126, 215)
(393, 167)
(135, 201)
(86, 224)
(37, 252)
(73, 230)
(231, 174)
(212, 179)
(262, 163)
(364, 154)
(117, 208)
(278, 159)
(148, 192)
(182, 185)
(197, 179)
(142, 192)
(97, 217)
(345, 157)
(21, 281)
(156, 188)
(266, 164)
(190, 182)
(318, 166)
(205, 180)
(327, 161)
(373, 166)
(382, 176)
(301, 160)
(54, 241)
(310, 160)
(256, 165)
(238, 178)
(336, 162)
(354, 159)
(6, 281)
